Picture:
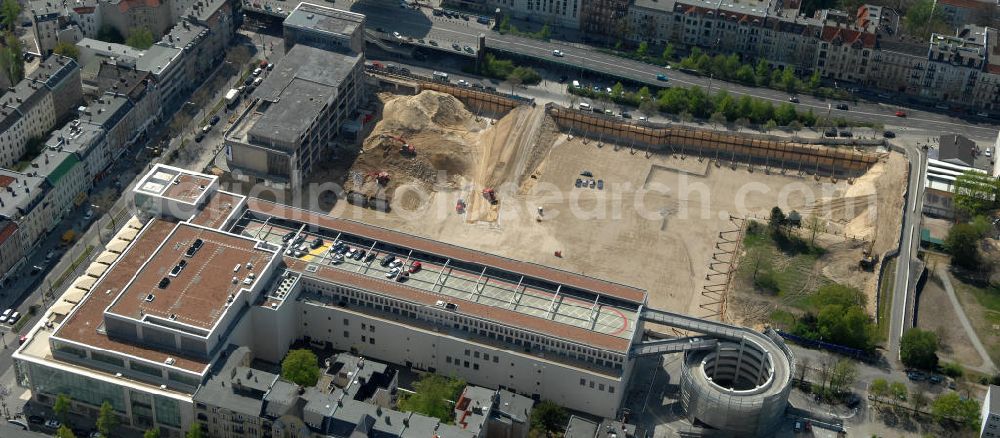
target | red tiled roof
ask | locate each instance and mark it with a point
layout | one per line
(5, 180)
(7, 230)
(848, 36)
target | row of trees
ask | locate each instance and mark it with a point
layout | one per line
(731, 68)
(11, 60)
(719, 107)
(949, 408)
(506, 28)
(506, 70)
(837, 315)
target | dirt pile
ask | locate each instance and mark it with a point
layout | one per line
(452, 149)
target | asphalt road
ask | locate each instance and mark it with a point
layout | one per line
(580, 59)
(904, 284)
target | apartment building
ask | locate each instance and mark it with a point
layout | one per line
(38, 197)
(608, 18)
(990, 415)
(209, 270)
(59, 21)
(182, 58)
(324, 28)
(10, 247)
(36, 105)
(298, 112)
(958, 13)
(89, 142)
(562, 13)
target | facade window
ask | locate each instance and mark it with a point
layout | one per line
(465, 364)
(496, 359)
(346, 322)
(364, 338)
(371, 341)
(475, 366)
(600, 387)
(475, 354)
(347, 334)
(447, 359)
(583, 382)
(611, 389)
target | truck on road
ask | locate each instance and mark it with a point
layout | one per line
(232, 96)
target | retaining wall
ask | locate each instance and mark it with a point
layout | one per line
(832, 159)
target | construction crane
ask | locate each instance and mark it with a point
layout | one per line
(405, 148)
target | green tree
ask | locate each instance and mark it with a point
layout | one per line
(898, 391)
(850, 326)
(526, 75)
(67, 49)
(151, 433)
(10, 11)
(788, 80)
(762, 73)
(504, 24)
(922, 18)
(642, 49)
(919, 399)
(668, 53)
(61, 407)
(745, 74)
(301, 367)
(544, 33)
(815, 80)
(776, 220)
(976, 192)
(785, 114)
(549, 417)
(770, 125)
(432, 395)
(962, 243)
(953, 407)
(65, 432)
(879, 389)
(617, 90)
(11, 60)
(918, 349)
(194, 431)
(140, 38)
(644, 94)
(106, 419)
(842, 376)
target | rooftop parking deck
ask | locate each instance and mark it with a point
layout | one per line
(479, 290)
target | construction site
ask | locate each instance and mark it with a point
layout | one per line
(642, 204)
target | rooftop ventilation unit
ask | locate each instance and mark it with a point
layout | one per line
(170, 361)
(149, 298)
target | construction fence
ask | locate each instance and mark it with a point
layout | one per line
(829, 158)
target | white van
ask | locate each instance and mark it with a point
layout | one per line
(576, 84)
(441, 76)
(584, 106)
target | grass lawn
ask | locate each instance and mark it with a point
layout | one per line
(783, 269)
(882, 321)
(982, 306)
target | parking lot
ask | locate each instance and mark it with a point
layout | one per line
(445, 277)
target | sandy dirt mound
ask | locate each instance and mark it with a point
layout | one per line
(453, 149)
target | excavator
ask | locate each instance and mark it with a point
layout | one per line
(405, 148)
(490, 195)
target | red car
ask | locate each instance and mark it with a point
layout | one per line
(415, 267)
(900, 113)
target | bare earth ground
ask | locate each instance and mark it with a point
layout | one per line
(938, 315)
(654, 225)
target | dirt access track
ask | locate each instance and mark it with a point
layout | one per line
(654, 224)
